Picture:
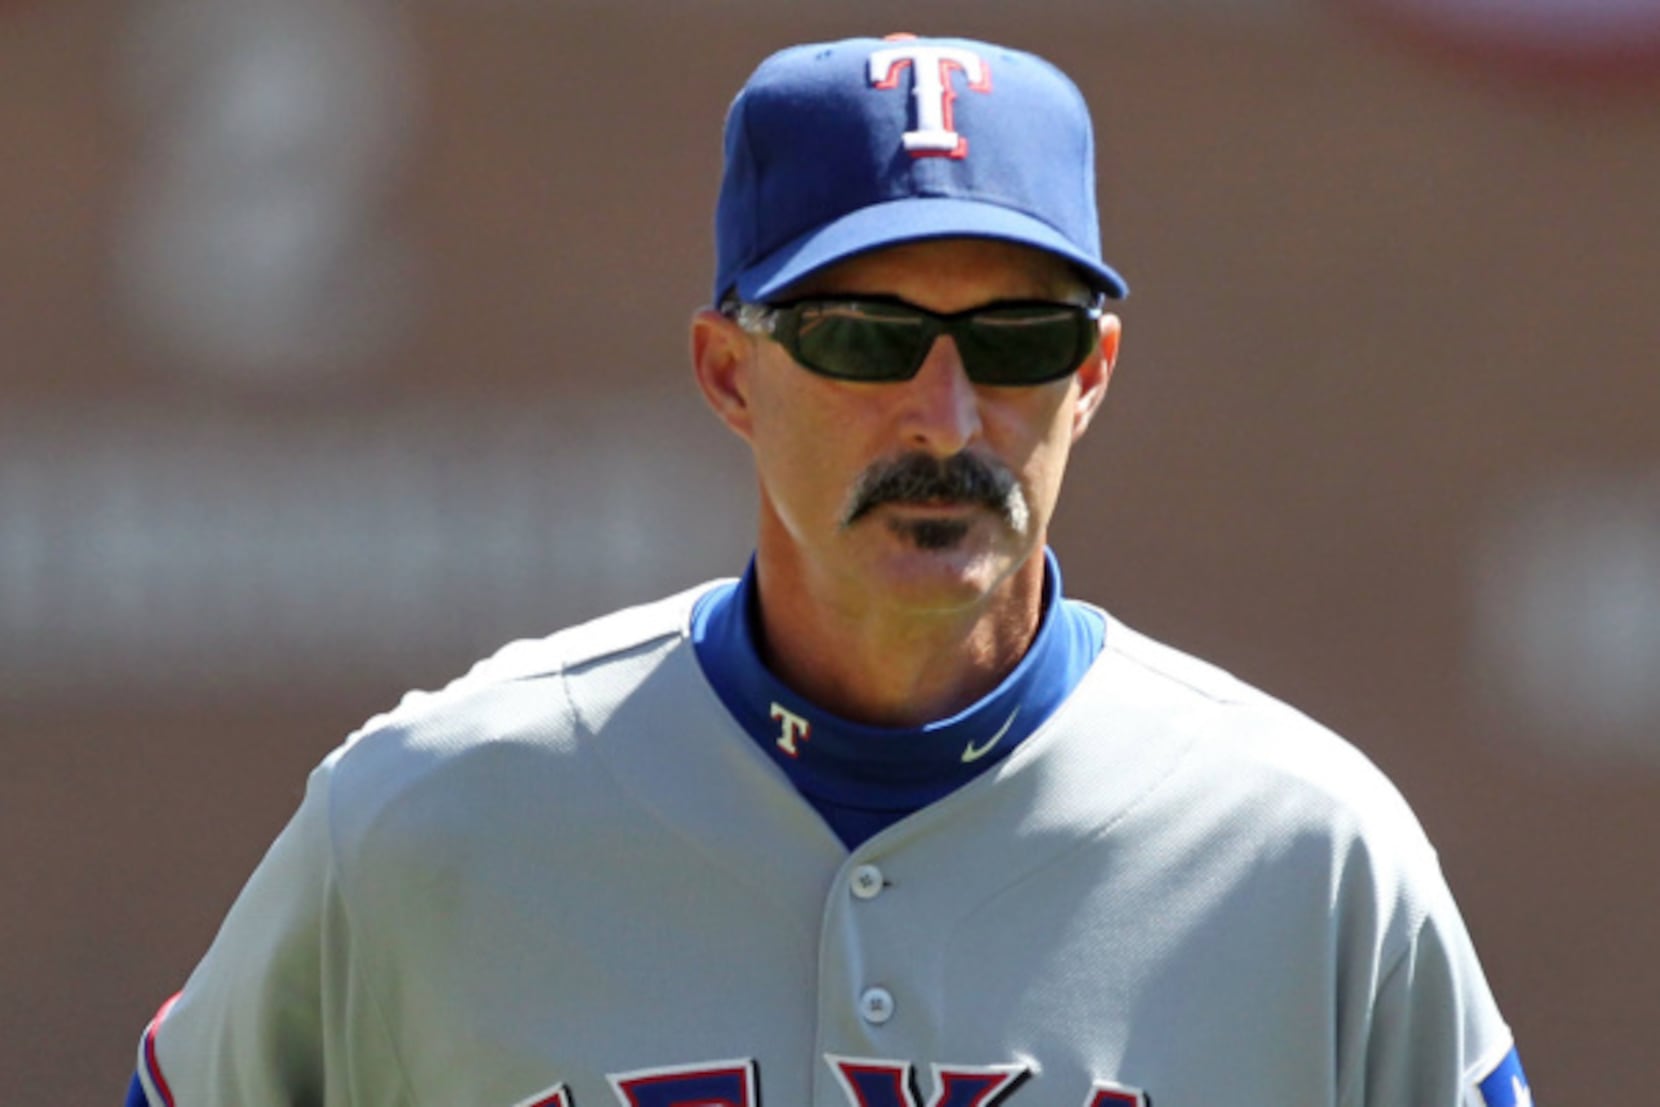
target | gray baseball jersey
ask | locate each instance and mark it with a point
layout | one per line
(570, 879)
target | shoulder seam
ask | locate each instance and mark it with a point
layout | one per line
(544, 658)
(1166, 674)
(564, 657)
(565, 665)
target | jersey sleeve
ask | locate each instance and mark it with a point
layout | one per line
(269, 1018)
(1436, 1036)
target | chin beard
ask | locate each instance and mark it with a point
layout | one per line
(931, 534)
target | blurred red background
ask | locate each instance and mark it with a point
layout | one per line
(342, 343)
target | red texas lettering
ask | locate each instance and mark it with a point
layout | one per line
(865, 1082)
(893, 1083)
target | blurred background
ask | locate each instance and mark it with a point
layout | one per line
(341, 342)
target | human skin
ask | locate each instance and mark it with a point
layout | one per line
(871, 619)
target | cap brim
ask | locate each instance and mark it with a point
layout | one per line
(912, 220)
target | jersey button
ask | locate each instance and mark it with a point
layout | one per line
(867, 882)
(876, 1006)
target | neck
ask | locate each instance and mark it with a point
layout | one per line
(885, 663)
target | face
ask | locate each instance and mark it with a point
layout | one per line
(927, 494)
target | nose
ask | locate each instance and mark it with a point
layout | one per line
(941, 411)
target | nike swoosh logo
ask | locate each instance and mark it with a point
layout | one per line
(971, 752)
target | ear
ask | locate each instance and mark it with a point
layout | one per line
(1096, 375)
(722, 359)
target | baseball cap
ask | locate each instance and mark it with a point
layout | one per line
(837, 148)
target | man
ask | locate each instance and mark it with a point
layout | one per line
(889, 821)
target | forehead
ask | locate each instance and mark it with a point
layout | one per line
(948, 274)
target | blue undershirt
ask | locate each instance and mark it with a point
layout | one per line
(861, 779)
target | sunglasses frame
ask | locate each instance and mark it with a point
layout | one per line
(781, 322)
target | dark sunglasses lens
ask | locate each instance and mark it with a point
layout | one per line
(1029, 344)
(862, 342)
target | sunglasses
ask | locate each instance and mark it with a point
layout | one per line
(882, 338)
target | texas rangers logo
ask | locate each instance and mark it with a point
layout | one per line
(931, 68)
(793, 729)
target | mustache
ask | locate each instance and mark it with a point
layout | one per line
(920, 478)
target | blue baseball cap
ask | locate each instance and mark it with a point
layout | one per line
(834, 149)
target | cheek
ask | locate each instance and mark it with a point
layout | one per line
(1035, 438)
(1042, 477)
(805, 450)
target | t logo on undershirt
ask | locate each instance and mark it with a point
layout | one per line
(793, 729)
